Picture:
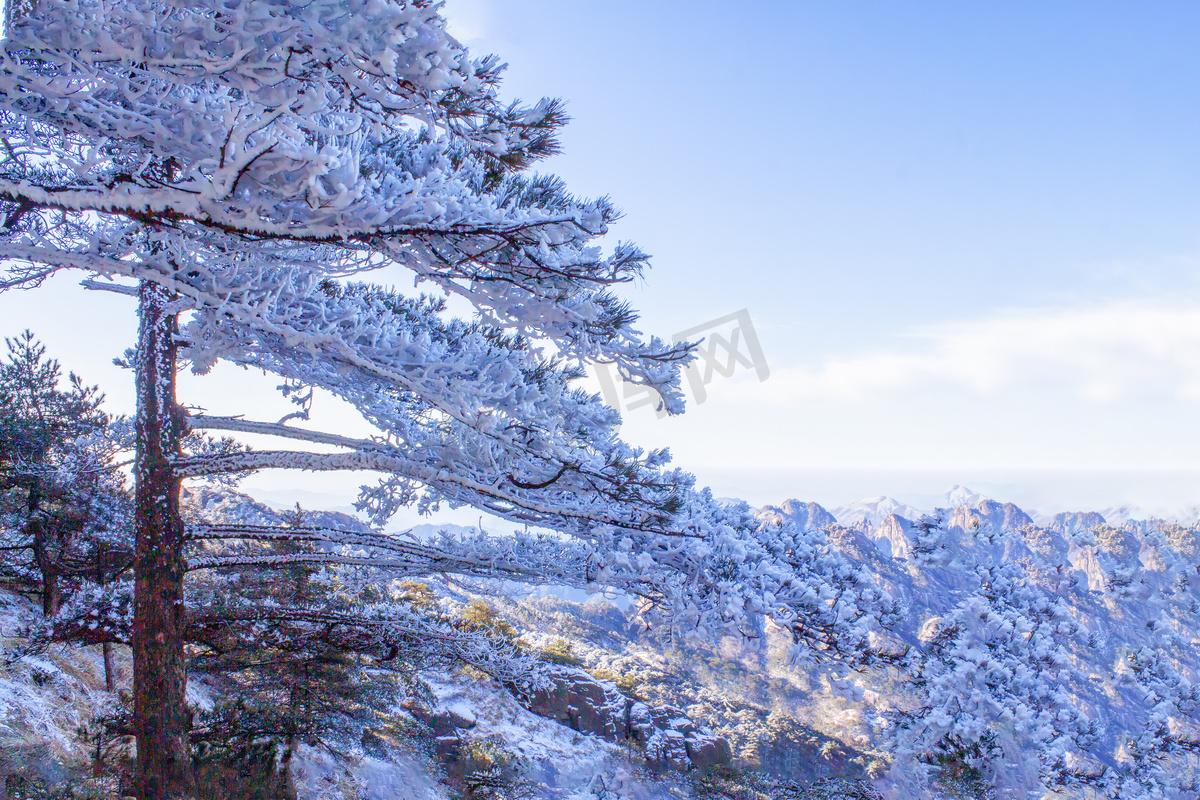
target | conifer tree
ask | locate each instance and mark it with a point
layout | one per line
(243, 168)
(63, 509)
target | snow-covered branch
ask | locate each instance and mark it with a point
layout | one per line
(238, 425)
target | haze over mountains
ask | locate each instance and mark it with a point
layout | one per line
(870, 511)
(873, 511)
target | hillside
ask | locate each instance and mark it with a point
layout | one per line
(1027, 657)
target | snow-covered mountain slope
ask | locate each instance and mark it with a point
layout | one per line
(1119, 515)
(1042, 657)
(48, 696)
(991, 515)
(1069, 522)
(1054, 662)
(803, 515)
(1060, 655)
(475, 734)
(215, 502)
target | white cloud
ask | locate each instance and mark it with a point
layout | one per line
(1098, 354)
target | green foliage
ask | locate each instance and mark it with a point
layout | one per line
(36, 413)
(25, 787)
(489, 771)
(419, 596)
(252, 774)
(289, 688)
(285, 682)
(629, 684)
(58, 498)
(561, 651)
(478, 615)
(109, 740)
(959, 780)
(728, 783)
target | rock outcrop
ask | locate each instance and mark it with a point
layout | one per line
(989, 516)
(441, 721)
(1069, 522)
(806, 516)
(893, 537)
(670, 740)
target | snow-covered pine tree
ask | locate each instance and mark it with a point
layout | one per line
(65, 514)
(247, 163)
(64, 511)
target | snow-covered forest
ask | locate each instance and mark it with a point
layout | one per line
(339, 195)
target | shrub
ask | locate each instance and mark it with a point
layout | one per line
(560, 651)
(478, 615)
(630, 685)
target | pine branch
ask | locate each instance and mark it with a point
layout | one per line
(238, 425)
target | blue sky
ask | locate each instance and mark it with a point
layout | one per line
(967, 236)
(966, 233)
(944, 153)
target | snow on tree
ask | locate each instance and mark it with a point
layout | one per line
(995, 675)
(315, 651)
(65, 514)
(248, 164)
(64, 511)
(1020, 675)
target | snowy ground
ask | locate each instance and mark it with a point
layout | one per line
(48, 698)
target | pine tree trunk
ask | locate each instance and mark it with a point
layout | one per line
(51, 597)
(110, 674)
(161, 718)
(36, 531)
(51, 594)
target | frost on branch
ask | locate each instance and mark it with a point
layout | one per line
(730, 571)
(339, 136)
(262, 161)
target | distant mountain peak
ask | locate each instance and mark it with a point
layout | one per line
(1120, 514)
(874, 510)
(805, 515)
(962, 496)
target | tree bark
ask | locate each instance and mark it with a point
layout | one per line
(110, 673)
(51, 597)
(37, 532)
(110, 676)
(161, 718)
